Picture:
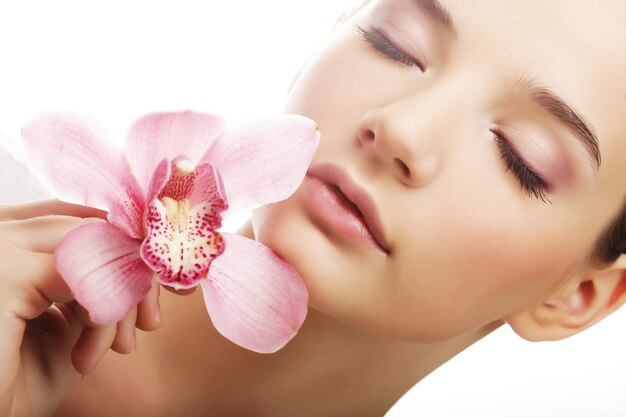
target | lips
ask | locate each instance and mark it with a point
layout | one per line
(357, 196)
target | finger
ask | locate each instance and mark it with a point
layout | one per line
(37, 281)
(41, 234)
(48, 207)
(74, 325)
(125, 337)
(148, 311)
(92, 344)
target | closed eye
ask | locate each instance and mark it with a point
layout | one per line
(530, 181)
(382, 44)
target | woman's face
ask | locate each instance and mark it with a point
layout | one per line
(476, 147)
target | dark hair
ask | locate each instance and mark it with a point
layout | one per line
(612, 242)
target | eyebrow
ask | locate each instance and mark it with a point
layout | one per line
(540, 95)
(438, 13)
(558, 108)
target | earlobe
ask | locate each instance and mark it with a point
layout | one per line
(582, 302)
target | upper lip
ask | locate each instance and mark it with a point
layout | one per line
(334, 175)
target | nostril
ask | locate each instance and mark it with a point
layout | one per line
(403, 167)
(368, 135)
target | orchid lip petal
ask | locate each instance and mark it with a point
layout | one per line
(181, 225)
(180, 257)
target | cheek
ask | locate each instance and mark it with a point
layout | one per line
(468, 252)
(342, 81)
(469, 264)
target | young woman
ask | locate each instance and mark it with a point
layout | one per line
(485, 147)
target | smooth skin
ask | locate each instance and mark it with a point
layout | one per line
(470, 249)
(468, 243)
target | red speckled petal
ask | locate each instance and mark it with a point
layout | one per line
(204, 184)
(209, 187)
(264, 160)
(179, 186)
(181, 255)
(254, 298)
(72, 157)
(102, 267)
(166, 135)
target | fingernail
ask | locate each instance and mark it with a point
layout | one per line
(157, 316)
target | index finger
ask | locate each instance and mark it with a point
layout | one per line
(47, 207)
(40, 234)
(40, 285)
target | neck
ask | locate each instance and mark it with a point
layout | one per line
(358, 373)
(329, 368)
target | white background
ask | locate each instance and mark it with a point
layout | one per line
(118, 60)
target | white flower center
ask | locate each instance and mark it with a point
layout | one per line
(177, 213)
(185, 167)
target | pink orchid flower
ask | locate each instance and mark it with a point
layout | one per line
(165, 194)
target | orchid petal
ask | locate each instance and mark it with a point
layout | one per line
(102, 267)
(209, 187)
(78, 165)
(166, 135)
(254, 298)
(264, 160)
(159, 178)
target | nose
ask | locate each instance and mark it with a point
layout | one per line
(408, 136)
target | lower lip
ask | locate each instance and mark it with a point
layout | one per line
(337, 212)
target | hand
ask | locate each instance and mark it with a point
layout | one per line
(46, 336)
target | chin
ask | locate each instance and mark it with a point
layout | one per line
(285, 229)
(277, 227)
(340, 281)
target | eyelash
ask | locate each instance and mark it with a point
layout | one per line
(530, 181)
(382, 44)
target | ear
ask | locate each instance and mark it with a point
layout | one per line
(583, 301)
